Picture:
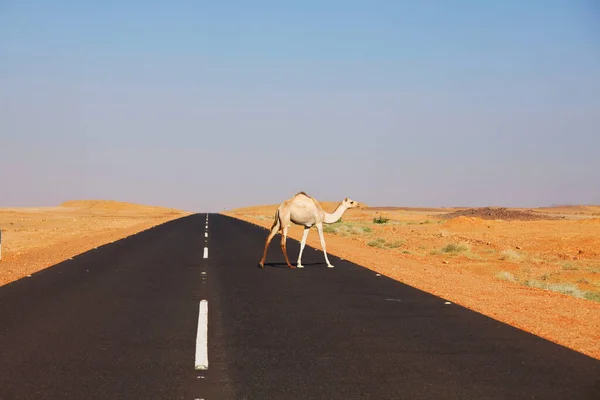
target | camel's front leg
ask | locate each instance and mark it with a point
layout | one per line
(304, 236)
(320, 229)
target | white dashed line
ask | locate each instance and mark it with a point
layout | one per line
(205, 234)
(206, 252)
(202, 337)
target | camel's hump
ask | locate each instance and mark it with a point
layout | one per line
(302, 193)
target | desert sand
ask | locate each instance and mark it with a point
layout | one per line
(535, 269)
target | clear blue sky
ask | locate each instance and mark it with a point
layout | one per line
(204, 105)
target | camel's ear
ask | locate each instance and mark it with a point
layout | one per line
(346, 199)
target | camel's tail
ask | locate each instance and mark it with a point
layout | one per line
(276, 225)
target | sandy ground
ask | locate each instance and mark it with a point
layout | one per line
(541, 276)
(36, 238)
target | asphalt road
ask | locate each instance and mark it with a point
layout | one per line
(120, 322)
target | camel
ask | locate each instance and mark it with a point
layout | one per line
(303, 210)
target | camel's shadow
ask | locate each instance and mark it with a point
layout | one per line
(284, 265)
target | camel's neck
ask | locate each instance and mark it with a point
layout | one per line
(336, 215)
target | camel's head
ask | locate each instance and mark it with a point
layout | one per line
(349, 203)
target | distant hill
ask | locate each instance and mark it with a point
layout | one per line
(112, 205)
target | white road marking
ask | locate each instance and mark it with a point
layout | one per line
(202, 338)
(205, 234)
(447, 302)
(206, 252)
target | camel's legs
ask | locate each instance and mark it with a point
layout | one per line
(283, 247)
(304, 235)
(274, 230)
(320, 229)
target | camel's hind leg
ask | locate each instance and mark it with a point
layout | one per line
(283, 246)
(272, 234)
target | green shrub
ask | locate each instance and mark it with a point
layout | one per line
(593, 296)
(455, 248)
(380, 220)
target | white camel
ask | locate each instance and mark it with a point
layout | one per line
(303, 210)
